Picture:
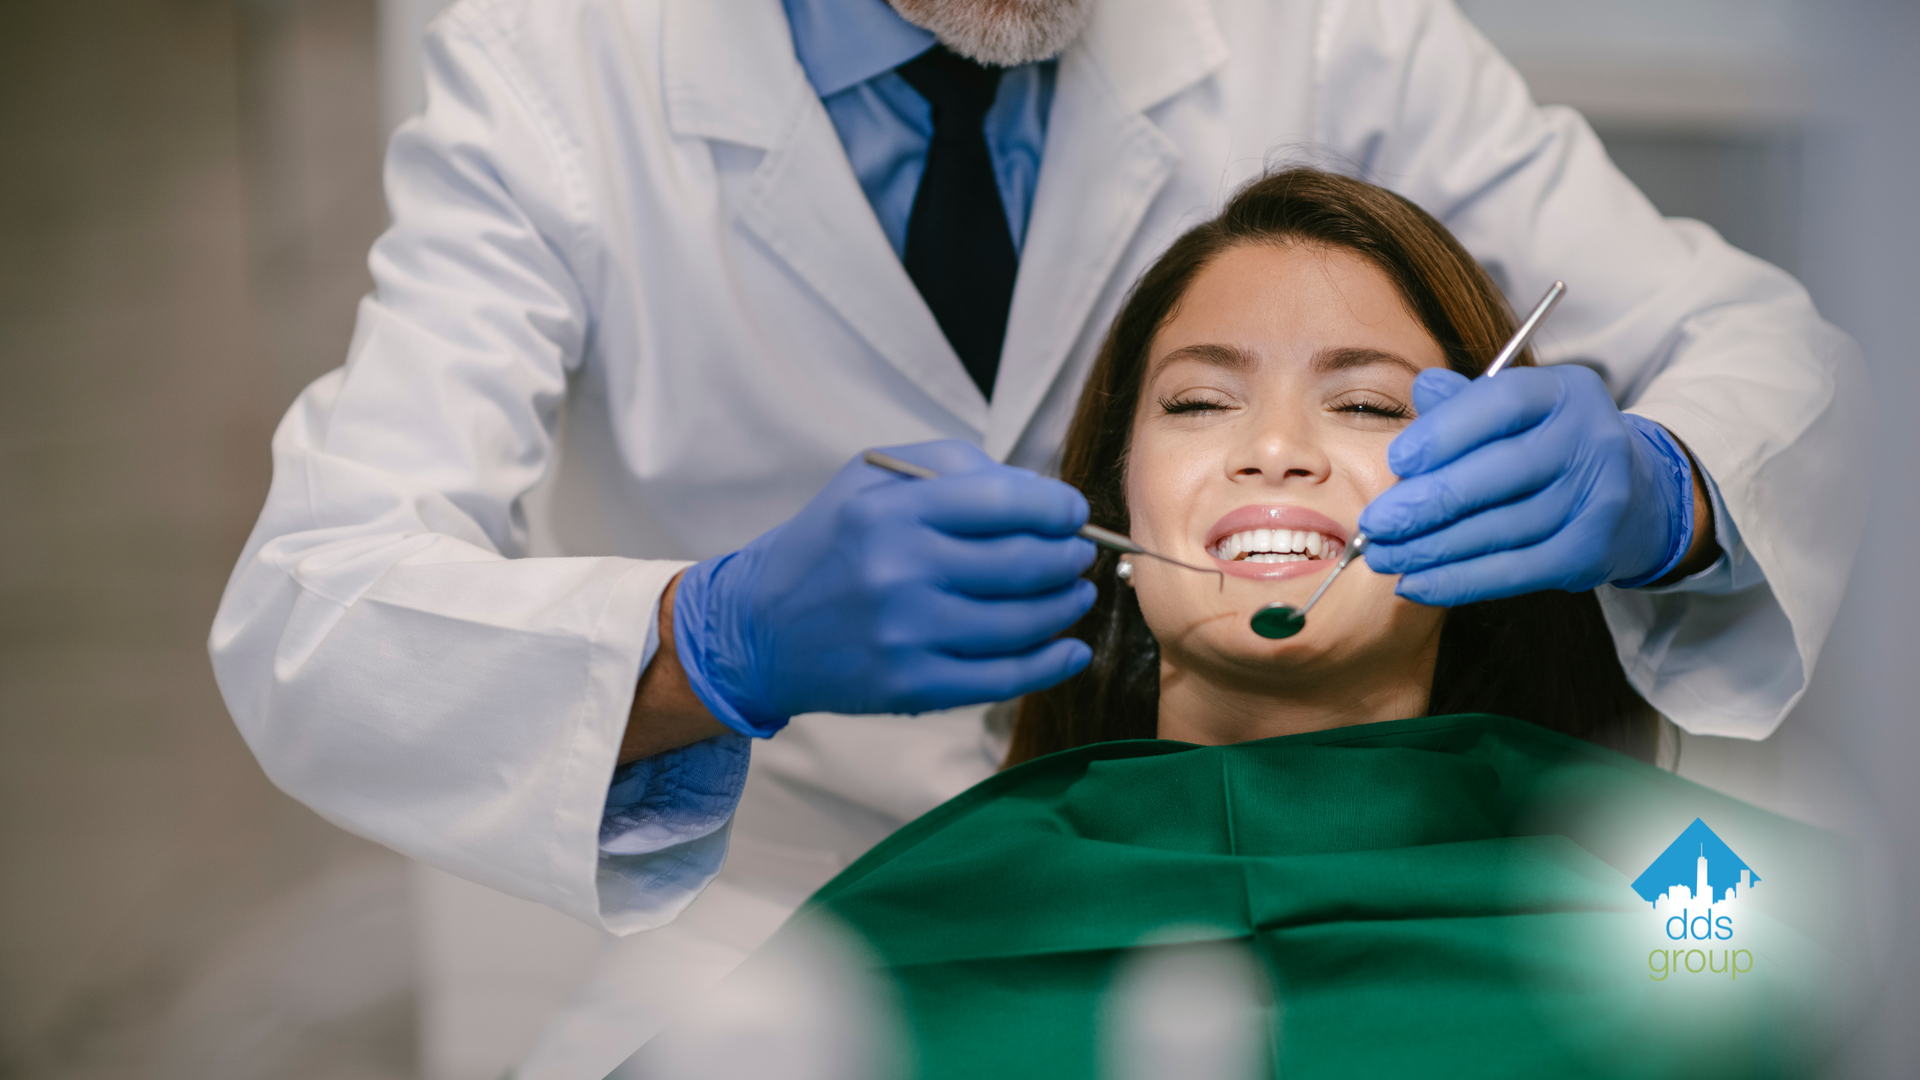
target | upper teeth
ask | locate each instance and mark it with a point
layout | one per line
(1275, 545)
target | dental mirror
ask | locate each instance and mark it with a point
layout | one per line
(1278, 620)
(1281, 621)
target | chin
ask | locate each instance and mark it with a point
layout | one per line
(1234, 655)
(1000, 33)
(1372, 636)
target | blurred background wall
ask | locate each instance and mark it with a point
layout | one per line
(187, 192)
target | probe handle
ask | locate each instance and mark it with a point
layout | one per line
(1521, 336)
(895, 465)
(1111, 540)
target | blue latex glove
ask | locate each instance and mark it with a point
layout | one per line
(887, 595)
(1530, 480)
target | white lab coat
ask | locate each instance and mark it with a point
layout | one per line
(631, 222)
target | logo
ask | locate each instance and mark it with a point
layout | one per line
(1696, 887)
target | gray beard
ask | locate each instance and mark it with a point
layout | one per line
(1000, 33)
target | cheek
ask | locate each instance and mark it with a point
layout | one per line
(1163, 477)
(1362, 458)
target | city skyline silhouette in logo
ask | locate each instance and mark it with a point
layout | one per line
(1679, 869)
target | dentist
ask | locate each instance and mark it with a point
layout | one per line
(658, 269)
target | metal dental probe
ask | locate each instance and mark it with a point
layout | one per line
(1525, 334)
(1278, 620)
(1105, 538)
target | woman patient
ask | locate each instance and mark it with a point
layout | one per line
(1239, 416)
(1430, 889)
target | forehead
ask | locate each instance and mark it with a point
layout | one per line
(1290, 302)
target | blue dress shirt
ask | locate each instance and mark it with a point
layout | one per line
(849, 49)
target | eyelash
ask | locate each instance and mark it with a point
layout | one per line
(1376, 407)
(1373, 407)
(1176, 406)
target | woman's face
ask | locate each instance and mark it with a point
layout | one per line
(1261, 433)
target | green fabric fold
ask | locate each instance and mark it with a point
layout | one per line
(1439, 896)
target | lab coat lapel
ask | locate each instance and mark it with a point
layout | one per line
(1104, 163)
(731, 75)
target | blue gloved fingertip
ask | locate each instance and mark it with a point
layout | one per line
(1383, 558)
(1387, 519)
(1088, 594)
(1407, 453)
(1079, 656)
(1377, 525)
(1080, 510)
(1441, 380)
(1434, 386)
(1419, 588)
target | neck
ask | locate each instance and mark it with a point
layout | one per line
(1214, 709)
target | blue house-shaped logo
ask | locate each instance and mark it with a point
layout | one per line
(1697, 862)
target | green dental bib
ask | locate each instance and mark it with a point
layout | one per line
(1431, 897)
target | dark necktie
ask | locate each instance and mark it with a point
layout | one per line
(959, 250)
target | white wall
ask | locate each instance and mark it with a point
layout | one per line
(1862, 228)
(401, 90)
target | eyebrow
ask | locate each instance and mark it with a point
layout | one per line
(1224, 356)
(1325, 362)
(1328, 361)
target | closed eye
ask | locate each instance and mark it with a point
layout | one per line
(1177, 406)
(1374, 407)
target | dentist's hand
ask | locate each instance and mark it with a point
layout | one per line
(1530, 480)
(892, 595)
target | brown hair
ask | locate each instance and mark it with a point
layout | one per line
(1546, 657)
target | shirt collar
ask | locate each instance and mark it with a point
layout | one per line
(843, 43)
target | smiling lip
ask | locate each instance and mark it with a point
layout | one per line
(1273, 517)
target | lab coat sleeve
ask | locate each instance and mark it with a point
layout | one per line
(1724, 350)
(387, 656)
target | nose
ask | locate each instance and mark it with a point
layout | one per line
(1280, 450)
